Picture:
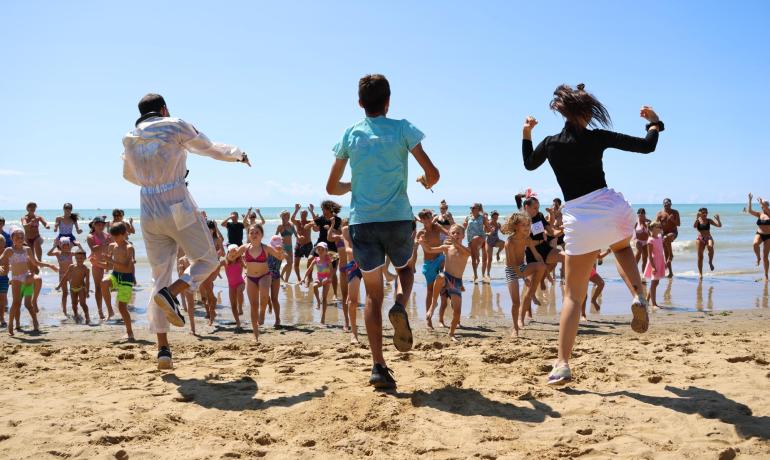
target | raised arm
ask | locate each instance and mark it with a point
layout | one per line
(645, 144)
(716, 221)
(259, 214)
(751, 211)
(294, 215)
(533, 158)
(196, 142)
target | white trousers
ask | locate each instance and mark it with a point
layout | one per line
(184, 228)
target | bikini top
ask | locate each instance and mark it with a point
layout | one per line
(703, 227)
(289, 232)
(641, 230)
(35, 223)
(260, 259)
(99, 239)
(443, 222)
(763, 221)
(18, 257)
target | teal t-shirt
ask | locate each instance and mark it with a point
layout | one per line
(378, 150)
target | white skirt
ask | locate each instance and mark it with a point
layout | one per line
(596, 221)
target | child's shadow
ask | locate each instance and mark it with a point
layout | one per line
(708, 404)
(237, 395)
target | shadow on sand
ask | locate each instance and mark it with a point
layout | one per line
(708, 404)
(469, 402)
(236, 395)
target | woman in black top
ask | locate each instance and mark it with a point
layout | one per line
(594, 216)
(704, 240)
(762, 238)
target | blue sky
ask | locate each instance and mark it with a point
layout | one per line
(279, 79)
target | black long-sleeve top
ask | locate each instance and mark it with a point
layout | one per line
(576, 156)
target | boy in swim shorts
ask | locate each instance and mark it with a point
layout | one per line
(432, 264)
(121, 260)
(78, 276)
(456, 259)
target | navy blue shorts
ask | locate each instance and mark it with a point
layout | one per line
(375, 240)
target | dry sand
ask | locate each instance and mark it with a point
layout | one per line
(695, 386)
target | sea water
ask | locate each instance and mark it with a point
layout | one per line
(735, 282)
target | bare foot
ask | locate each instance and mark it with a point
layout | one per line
(535, 300)
(596, 305)
(430, 323)
(354, 340)
(345, 329)
(759, 261)
(521, 324)
(583, 318)
(515, 334)
(443, 325)
(711, 266)
(454, 339)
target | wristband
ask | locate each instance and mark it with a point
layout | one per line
(659, 124)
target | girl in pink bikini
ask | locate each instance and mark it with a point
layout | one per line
(234, 265)
(323, 263)
(31, 223)
(656, 264)
(258, 273)
(641, 236)
(98, 241)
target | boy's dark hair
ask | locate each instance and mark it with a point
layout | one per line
(118, 212)
(151, 102)
(118, 229)
(31, 204)
(557, 201)
(374, 93)
(641, 210)
(424, 213)
(332, 206)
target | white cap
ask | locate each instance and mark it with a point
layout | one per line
(322, 245)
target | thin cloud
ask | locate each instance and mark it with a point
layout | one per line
(11, 172)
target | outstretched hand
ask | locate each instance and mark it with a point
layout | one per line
(648, 114)
(245, 159)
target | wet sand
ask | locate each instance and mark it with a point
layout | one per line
(696, 385)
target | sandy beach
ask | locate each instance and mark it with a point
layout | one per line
(694, 386)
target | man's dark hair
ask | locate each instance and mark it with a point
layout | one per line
(151, 103)
(374, 93)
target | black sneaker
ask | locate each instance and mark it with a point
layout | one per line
(402, 333)
(170, 307)
(381, 378)
(164, 359)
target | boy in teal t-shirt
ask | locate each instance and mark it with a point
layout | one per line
(381, 220)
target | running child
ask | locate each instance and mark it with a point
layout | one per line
(656, 263)
(433, 234)
(354, 277)
(274, 266)
(119, 215)
(21, 261)
(233, 264)
(258, 273)
(121, 260)
(188, 296)
(31, 223)
(598, 283)
(475, 224)
(78, 276)
(518, 227)
(323, 262)
(304, 248)
(456, 259)
(98, 241)
(641, 236)
(66, 225)
(493, 242)
(4, 280)
(62, 250)
(286, 230)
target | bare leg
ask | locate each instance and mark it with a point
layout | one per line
(700, 258)
(765, 256)
(83, 294)
(653, 293)
(577, 272)
(98, 274)
(373, 313)
(513, 289)
(106, 286)
(324, 301)
(253, 292)
(233, 293)
(457, 303)
(275, 286)
(123, 309)
(756, 245)
(354, 288)
(710, 248)
(32, 313)
(627, 268)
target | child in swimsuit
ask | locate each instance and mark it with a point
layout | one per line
(656, 264)
(518, 226)
(456, 259)
(78, 276)
(258, 274)
(493, 242)
(188, 295)
(21, 261)
(62, 250)
(233, 265)
(121, 260)
(31, 223)
(274, 266)
(118, 215)
(287, 231)
(598, 282)
(475, 224)
(354, 276)
(4, 280)
(66, 223)
(641, 236)
(98, 241)
(322, 262)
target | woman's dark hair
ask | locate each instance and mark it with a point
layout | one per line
(374, 93)
(703, 210)
(521, 201)
(117, 212)
(578, 104)
(641, 211)
(151, 103)
(557, 201)
(332, 206)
